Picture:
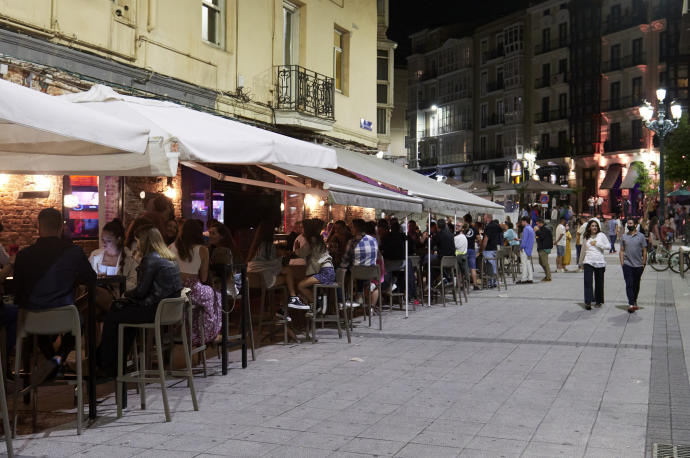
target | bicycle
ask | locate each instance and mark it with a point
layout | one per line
(659, 258)
(674, 261)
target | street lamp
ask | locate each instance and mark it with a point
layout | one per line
(661, 127)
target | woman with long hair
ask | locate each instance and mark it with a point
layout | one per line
(319, 263)
(223, 250)
(193, 261)
(158, 278)
(264, 262)
(114, 258)
(594, 245)
(337, 241)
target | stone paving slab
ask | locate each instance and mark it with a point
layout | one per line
(523, 372)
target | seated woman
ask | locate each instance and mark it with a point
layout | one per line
(158, 278)
(319, 263)
(264, 261)
(223, 250)
(113, 259)
(192, 258)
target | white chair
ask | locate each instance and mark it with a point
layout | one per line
(51, 321)
(170, 312)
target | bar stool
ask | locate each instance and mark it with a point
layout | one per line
(326, 289)
(5, 415)
(256, 282)
(367, 273)
(170, 312)
(399, 268)
(449, 262)
(415, 263)
(488, 272)
(201, 331)
(504, 264)
(464, 269)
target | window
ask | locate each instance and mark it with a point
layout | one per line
(545, 74)
(338, 59)
(484, 49)
(499, 144)
(382, 93)
(290, 34)
(500, 111)
(562, 105)
(381, 121)
(615, 95)
(563, 34)
(545, 142)
(615, 57)
(484, 83)
(483, 115)
(482, 145)
(562, 141)
(544, 109)
(615, 136)
(499, 77)
(82, 220)
(636, 128)
(546, 40)
(212, 29)
(637, 51)
(637, 90)
(382, 65)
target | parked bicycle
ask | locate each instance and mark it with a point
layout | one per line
(659, 258)
(674, 261)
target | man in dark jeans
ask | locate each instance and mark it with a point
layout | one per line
(544, 246)
(492, 239)
(45, 275)
(633, 257)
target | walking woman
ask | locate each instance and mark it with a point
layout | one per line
(193, 261)
(594, 245)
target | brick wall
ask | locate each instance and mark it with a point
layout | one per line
(134, 204)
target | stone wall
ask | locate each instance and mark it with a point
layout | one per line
(134, 204)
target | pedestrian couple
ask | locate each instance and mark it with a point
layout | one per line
(633, 257)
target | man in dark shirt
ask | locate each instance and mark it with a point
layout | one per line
(45, 274)
(393, 250)
(544, 246)
(442, 244)
(490, 243)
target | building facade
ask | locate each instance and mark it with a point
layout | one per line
(385, 80)
(306, 68)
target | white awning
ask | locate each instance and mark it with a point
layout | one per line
(347, 191)
(40, 133)
(204, 137)
(630, 178)
(437, 197)
(612, 174)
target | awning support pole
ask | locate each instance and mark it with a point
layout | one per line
(407, 278)
(428, 285)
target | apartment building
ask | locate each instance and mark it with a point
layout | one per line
(440, 110)
(500, 103)
(550, 91)
(306, 67)
(385, 79)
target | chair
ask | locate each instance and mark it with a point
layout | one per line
(464, 269)
(367, 273)
(58, 320)
(449, 262)
(170, 312)
(400, 294)
(504, 261)
(488, 273)
(325, 290)
(415, 264)
(201, 331)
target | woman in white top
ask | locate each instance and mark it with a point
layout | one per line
(114, 258)
(594, 245)
(192, 258)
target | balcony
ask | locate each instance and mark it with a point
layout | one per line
(307, 94)
(617, 23)
(455, 127)
(493, 54)
(547, 46)
(495, 86)
(622, 102)
(622, 144)
(495, 120)
(630, 60)
(552, 80)
(553, 115)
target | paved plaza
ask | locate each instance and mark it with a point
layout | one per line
(523, 372)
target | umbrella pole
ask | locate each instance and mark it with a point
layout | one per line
(428, 260)
(407, 278)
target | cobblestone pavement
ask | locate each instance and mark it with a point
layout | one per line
(523, 372)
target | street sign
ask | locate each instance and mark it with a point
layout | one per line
(544, 199)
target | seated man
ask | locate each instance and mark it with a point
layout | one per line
(362, 250)
(45, 275)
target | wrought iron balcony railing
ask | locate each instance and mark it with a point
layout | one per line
(630, 19)
(630, 60)
(305, 91)
(553, 115)
(620, 103)
(552, 45)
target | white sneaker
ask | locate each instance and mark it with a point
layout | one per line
(296, 303)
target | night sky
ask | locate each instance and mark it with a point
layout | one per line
(408, 16)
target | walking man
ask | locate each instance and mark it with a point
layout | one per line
(613, 232)
(633, 257)
(544, 245)
(526, 246)
(560, 245)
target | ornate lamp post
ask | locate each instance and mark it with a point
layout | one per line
(661, 127)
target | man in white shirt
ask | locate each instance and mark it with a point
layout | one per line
(590, 204)
(600, 206)
(560, 243)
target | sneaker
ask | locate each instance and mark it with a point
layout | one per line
(296, 303)
(597, 306)
(546, 279)
(633, 309)
(280, 314)
(44, 370)
(588, 306)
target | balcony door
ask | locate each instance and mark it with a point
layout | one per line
(290, 33)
